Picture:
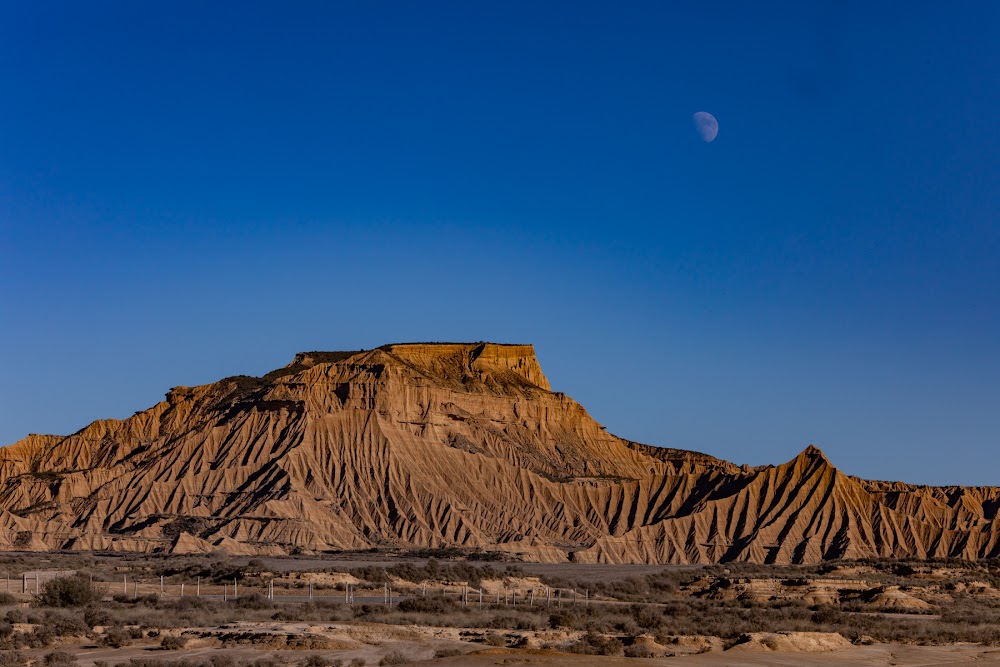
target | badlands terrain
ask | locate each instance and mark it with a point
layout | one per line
(447, 446)
(440, 504)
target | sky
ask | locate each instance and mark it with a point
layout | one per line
(194, 190)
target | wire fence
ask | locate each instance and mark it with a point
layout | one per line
(32, 583)
(541, 596)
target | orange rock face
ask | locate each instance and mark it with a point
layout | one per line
(438, 445)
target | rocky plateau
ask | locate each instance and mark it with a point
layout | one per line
(417, 446)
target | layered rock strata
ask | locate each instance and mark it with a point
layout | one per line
(447, 445)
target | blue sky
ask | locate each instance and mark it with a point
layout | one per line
(194, 190)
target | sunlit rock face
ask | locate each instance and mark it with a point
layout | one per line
(446, 445)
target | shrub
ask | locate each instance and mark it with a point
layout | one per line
(494, 639)
(67, 592)
(446, 652)
(116, 637)
(562, 619)
(63, 624)
(394, 658)
(172, 643)
(253, 601)
(639, 651)
(595, 644)
(7, 598)
(513, 622)
(94, 616)
(40, 637)
(12, 659)
(431, 605)
(15, 616)
(316, 660)
(646, 617)
(358, 662)
(59, 659)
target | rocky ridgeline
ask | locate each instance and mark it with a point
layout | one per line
(447, 445)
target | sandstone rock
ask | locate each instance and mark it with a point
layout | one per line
(447, 445)
(892, 597)
(789, 642)
(186, 543)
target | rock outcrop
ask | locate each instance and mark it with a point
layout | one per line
(446, 445)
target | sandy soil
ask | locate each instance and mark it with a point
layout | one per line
(884, 655)
(372, 645)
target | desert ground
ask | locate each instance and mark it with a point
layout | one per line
(370, 608)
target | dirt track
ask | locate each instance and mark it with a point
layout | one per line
(884, 655)
(878, 655)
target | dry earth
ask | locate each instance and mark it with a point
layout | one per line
(888, 655)
(882, 655)
(845, 613)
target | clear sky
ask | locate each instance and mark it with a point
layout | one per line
(193, 190)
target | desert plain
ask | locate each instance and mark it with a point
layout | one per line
(370, 608)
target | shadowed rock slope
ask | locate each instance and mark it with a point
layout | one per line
(439, 445)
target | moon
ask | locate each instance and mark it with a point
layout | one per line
(706, 125)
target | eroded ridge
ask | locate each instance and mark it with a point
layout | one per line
(447, 445)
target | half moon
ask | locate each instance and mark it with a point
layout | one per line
(706, 125)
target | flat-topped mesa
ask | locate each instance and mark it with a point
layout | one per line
(481, 358)
(427, 445)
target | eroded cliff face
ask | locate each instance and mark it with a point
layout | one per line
(434, 445)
